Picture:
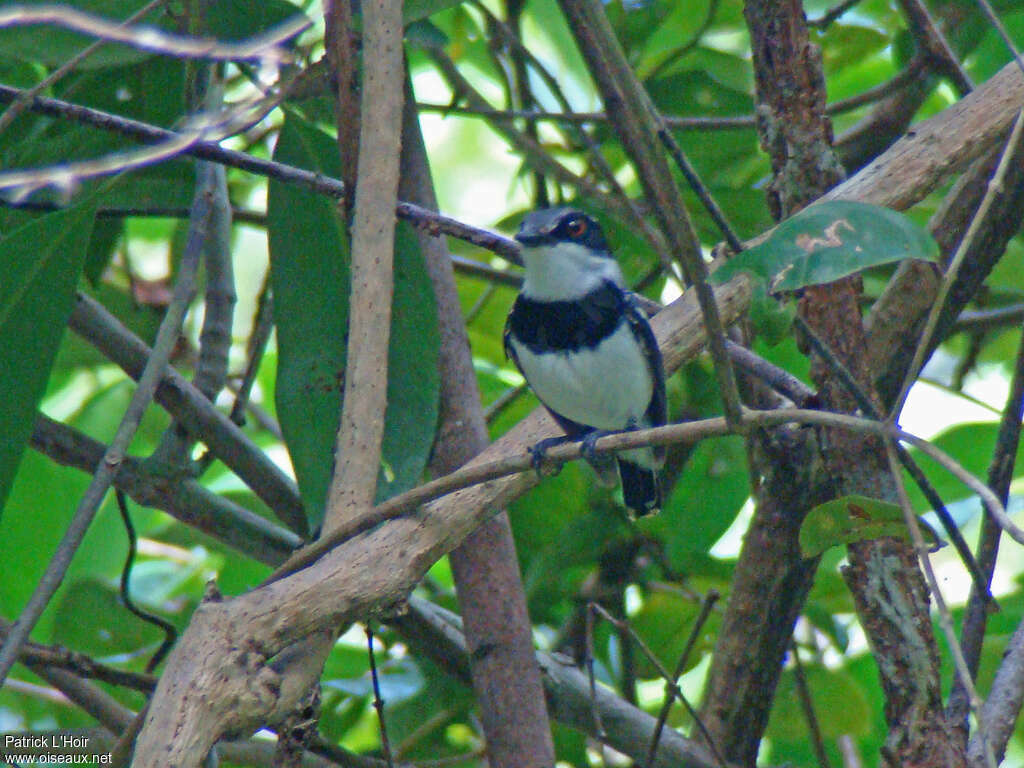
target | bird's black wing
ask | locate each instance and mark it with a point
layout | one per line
(657, 409)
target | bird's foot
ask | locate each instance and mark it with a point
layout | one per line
(587, 450)
(539, 450)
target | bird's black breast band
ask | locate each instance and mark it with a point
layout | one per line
(566, 326)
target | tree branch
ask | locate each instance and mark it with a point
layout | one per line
(434, 223)
(437, 634)
(185, 403)
(180, 496)
(485, 568)
(357, 452)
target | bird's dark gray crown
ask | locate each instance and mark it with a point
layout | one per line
(550, 226)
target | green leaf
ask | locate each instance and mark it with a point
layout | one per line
(105, 235)
(40, 264)
(705, 501)
(243, 19)
(828, 241)
(664, 622)
(53, 45)
(309, 272)
(837, 695)
(309, 253)
(416, 10)
(848, 519)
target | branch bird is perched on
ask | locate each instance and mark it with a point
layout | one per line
(585, 346)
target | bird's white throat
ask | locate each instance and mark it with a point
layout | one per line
(566, 271)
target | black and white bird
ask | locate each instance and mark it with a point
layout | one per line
(584, 345)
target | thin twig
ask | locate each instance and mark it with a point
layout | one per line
(699, 188)
(181, 497)
(433, 222)
(95, 324)
(670, 683)
(826, 19)
(997, 24)
(540, 158)
(166, 340)
(503, 401)
(593, 151)
(676, 123)
(990, 319)
(378, 700)
(867, 406)
(689, 45)
(263, 48)
(1000, 475)
(18, 106)
(210, 235)
(169, 630)
(779, 379)
(935, 45)
(599, 732)
(707, 604)
(238, 215)
(807, 704)
(204, 127)
(259, 337)
(81, 665)
(692, 431)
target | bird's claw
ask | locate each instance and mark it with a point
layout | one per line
(587, 445)
(539, 450)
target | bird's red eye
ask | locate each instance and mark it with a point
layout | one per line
(576, 228)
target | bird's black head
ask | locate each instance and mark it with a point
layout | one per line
(551, 226)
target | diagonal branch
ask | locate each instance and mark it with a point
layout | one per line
(90, 320)
(180, 496)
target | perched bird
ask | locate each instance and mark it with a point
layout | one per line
(585, 347)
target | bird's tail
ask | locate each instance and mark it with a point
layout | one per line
(640, 487)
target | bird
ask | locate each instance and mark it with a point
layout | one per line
(585, 346)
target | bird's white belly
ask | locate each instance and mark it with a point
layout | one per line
(607, 387)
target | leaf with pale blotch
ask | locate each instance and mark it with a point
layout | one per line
(848, 519)
(829, 241)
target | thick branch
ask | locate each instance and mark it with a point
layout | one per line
(939, 146)
(484, 566)
(354, 484)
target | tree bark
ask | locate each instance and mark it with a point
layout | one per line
(498, 631)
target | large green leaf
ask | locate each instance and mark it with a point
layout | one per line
(838, 696)
(309, 252)
(828, 241)
(848, 519)
(705, 501)
(40, 264)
